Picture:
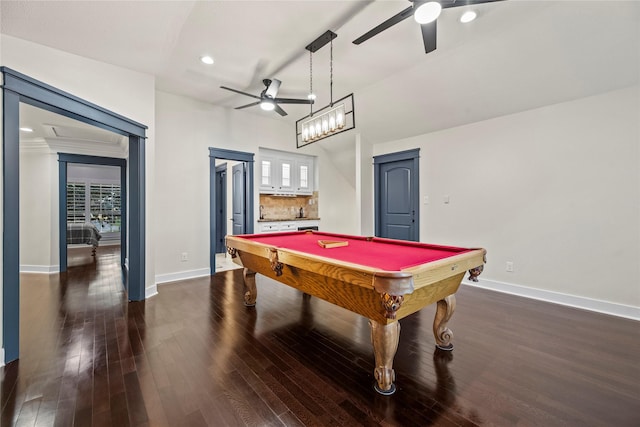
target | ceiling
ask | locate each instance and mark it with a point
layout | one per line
(517, 55)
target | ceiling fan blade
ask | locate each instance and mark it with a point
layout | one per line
(386, 24)
(248, 105)
(280, 110)
(293, 101)
(272, 89)
(457, 3)
(429, 32)
(240, 92)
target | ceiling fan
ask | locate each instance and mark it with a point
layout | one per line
(267, 98)
(426, 14)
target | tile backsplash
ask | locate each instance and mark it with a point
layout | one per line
(288, 207)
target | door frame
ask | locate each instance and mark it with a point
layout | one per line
(222, 196)
(238, 156)
(63, 160)
(17, 88)
(378, 161)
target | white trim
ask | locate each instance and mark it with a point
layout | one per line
(150, 291)
(606, 307)
(182, 275)
(46, 269)
(1, 357)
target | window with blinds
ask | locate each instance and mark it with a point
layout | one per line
(76, 202)
(99, 204)
(105, 207)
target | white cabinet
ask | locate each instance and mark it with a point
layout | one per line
(275, 226)
(304, 176)
(286, 173)
(268, 174)
(269, 227)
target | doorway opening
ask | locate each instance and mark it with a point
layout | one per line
(91, 191)
(241, 195)
(19, 88)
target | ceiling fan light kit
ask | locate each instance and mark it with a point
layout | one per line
(268, 99)
(425, 14)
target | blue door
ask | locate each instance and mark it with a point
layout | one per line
(238, 192)
(221, 206)
(396, 177)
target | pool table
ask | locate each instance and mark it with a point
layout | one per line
(383, 280)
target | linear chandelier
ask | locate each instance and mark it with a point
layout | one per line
(332, 119)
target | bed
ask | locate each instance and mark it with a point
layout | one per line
(83, 234)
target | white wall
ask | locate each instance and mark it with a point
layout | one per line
(39, 251)
(37, 214)
(186, 128)
(555, 190)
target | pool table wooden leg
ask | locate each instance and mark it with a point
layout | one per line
(385, 343)
(250, 290)
(444, 311)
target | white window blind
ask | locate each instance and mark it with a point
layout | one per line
(105, 205)
(99, 204)
(76, 205)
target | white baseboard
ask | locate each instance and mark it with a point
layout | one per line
(182, 275)
(606, 307)
(45, 269)
(150, 291)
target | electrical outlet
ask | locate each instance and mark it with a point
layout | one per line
(509, 266)
(184, 257)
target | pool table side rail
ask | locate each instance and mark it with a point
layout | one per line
(433, 272)
(392, 282)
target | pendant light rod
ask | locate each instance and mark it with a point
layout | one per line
(331, 74)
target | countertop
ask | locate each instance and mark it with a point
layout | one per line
(306, 218)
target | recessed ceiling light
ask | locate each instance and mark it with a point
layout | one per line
(311, 96)
(206, 59)
(26, 129)
(468, 16)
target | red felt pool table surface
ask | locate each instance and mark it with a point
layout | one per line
(383, 254)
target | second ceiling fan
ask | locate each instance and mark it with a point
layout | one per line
(426, 14)
(267, 99)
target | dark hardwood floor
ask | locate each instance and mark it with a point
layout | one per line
(194, 355)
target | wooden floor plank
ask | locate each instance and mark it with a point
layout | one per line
(194, 355)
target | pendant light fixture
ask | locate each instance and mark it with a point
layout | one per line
(332, 119)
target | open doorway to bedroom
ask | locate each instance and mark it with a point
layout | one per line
(94, 211)
(18, 91)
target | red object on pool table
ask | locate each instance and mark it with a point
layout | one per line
(381, 279)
